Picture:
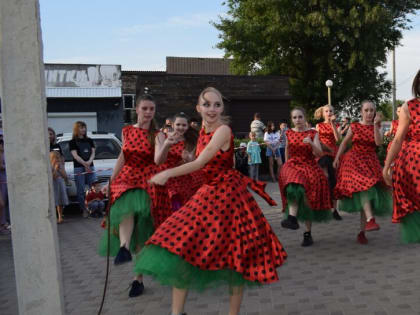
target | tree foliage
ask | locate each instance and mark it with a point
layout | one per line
(311, 41)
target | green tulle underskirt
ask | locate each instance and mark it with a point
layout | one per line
(379, 196)
(136, 203)
(296, 193)
(170, 269)
(410, 228)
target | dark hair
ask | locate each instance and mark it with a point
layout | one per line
(153, 125)
(269, 124)
(53, 132)
(416, 85)
(257, 116)
(191, 135)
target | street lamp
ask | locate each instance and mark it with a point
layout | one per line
(329, 84)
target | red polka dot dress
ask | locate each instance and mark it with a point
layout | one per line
(359, 176)
(181, 188)
(394, 125)
(301, 170)
(219, 236)
(326, 136)
(132, 195)
(406, 179)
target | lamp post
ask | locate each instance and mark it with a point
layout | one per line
(329, 84)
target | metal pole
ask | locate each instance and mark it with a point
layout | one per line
(394, 86)
(329, 96)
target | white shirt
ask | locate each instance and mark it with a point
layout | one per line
(273, 139)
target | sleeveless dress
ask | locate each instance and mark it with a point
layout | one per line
(406, 179)
(394, 125)
(326, 136)
(181, 188)
(359, 175)
(132, 195)
(219, 236)
(303, 181)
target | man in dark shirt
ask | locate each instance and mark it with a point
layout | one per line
(241, 159)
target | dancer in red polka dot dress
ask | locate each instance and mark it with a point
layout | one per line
(329, 135)
(394, 126)
(360, 187)
(303, 184)
(135, 206)
(175, 149)
(220, 235)
(406, 175)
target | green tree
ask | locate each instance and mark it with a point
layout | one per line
(314, 40)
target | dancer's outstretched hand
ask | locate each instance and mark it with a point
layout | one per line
(160, 178)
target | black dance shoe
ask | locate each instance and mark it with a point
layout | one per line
(137, 289)
(307, 239)
(123, 256)
(290, 223)
(336, 215)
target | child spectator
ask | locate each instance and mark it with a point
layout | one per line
(241, 159)
(95, 200)
(254, 155)
(59, 182)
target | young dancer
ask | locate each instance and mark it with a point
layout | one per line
(360, 187)
(176, 148)
(220, 235)
(394, 126)
(134, 211)
(328, 136)
(406, 176)
(303, 185)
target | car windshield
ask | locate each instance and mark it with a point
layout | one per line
(104, 149)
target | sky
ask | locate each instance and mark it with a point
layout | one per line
(139, 34)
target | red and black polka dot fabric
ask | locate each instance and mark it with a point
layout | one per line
(359, 168)
(406, 176)
(394, 125)
(138, 168)
(326, 136)
(301, 168)
(181, 188)
(222, 226)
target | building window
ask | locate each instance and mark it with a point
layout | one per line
(128, 101)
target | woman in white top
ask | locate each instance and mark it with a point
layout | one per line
(272, 139)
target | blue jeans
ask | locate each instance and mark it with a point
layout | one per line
(81, 181)
(96, 206)
(253, 171)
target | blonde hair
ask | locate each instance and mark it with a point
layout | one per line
(252, 133)
(320, 111)
(225, 119)
(77, 125)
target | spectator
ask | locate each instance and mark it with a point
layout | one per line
(254, 155)
(59, 183)
(257, 126)
(95, 202)
(82, 149)
(195, 123)
(168, 126)
(272, 139)
(345, 125)
(54, 146)
(241, 159)
(282, 141)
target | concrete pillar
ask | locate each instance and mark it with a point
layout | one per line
(34, 231)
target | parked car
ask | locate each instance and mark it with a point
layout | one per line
(107, 149)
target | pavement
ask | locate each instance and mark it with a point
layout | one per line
(336, 276)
